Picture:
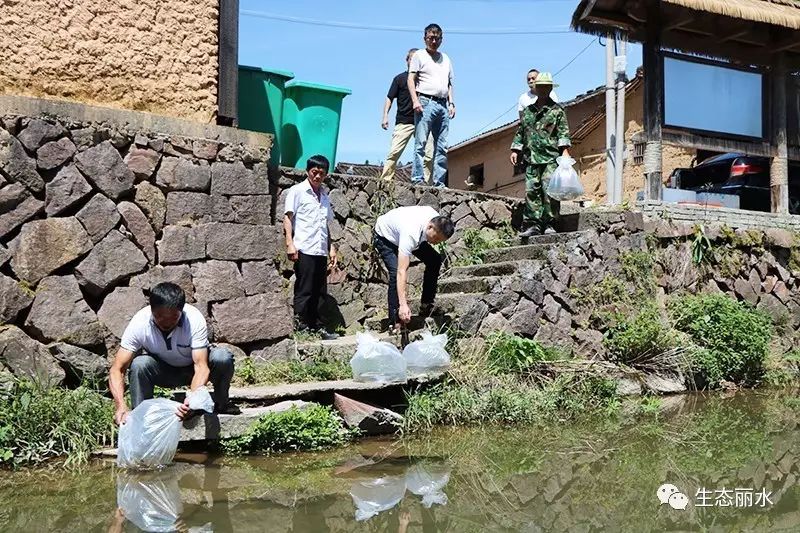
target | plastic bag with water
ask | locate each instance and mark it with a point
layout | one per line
(376, 360)
(427, 354)
(149, 437)
(377, 495)
(428, 481)
(150, 500)
(200, 400)
(564, 181)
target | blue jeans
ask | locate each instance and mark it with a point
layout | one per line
(147, 371)
(435, 121)
(425, 253)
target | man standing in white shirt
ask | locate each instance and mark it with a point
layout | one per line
(529, 97)
(166, 344)
(404, 231)
(430, 83)
(307, 212)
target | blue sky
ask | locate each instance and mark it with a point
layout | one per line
(489, 68)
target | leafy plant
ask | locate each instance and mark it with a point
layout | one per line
(732, 336)
(478, 241)
(313, 428)
(511, 354)
(636, 340)
(702, 251)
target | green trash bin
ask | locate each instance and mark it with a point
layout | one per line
(261, 95)
(311, 117)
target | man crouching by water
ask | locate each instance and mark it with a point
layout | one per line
(166, 344)
(404, 231)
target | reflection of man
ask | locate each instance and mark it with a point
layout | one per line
(542, 136)
(529, 96)
(430, 83)
(403, 124)
(171, 340)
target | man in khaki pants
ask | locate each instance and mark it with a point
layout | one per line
(403, 125)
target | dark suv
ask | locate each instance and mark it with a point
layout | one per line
(741, 175)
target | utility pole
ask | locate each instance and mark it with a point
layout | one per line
(610, 121)
(620, 65)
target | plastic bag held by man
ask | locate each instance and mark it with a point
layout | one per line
(150, 435)
(427, 354)
(564, 181)
(376, 360)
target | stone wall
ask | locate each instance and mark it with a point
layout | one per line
(735, 218)
(146, 55)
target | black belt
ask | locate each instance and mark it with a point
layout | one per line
(436, 98)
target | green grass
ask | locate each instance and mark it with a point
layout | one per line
(39, 423)
(508, 353)
(250, 373)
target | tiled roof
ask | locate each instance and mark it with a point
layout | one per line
(403, 173)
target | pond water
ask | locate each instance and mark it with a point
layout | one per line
(733, 461)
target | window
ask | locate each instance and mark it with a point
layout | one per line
(638, 148)
(475, 178)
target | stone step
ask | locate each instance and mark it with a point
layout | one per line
(342, 348)
(535, 247)
(486, 269)
(214, 427)
(479, 285)
(445, 305)
(554, 238)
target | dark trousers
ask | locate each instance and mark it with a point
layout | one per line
(426, 254)
(310, 283)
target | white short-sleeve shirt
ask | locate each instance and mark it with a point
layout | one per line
(176, 348)
(405, 226)
(528, 98)
(310, 217)
(434, 76)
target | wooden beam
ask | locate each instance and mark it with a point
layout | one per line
(785, 44)
(732, 35)
(779, 166)
(678, 23)
(686, 139)
(228, 74)
(653, 101)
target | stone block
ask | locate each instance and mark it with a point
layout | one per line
(39, 132)
(525, 320)
(261, 277)
(55, 153)
(179, 174)
(84, 137)
(142, 162)
(104, 167)
(213, 426)
(17, 207)
(119, 307)
(180, 244)
(110, 261)
(254, 209)
(140, 228)
(235, 179)
(46, 245)
(215, 281)
(189, 207)
(496, 211)
(205, 149)
(339, 202)
(252, 318)
(27, 358)
(98, 216)
(475, 311)
(283, 350)
(59, 313)
(4, 255)
(242, 242)
(153, 204)
(13, 299)
(81, 364)
(403, 196)
(368, 419)
(493, 322)
(180, 275)
(67, 188)
(16, 163)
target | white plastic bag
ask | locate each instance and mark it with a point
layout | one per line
(564, 181)
(427, 354)
(376, 360)
(200, 400)
(150, 435)
(377, 495)
(428, 481)
(150, 500)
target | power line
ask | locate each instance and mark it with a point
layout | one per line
(404, 29)
(559, 71)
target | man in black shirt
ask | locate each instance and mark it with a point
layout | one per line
(403, 125)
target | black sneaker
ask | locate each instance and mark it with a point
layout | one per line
(530, 232)
(425, 309)
(324, 335)
(549, 230)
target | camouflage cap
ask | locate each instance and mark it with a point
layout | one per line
(545, 78)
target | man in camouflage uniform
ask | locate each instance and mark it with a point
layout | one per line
(543, 135)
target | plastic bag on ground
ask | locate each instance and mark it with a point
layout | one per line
(428, 481)
(564, 181)
(376, 360)
(200, 400)
(377, 495)
(150, 435)
(150, 500)
(427, 354)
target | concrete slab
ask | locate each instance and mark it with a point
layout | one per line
(213, 427)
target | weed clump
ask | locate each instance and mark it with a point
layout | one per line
(250, 373)
(733, 338)
(511, 354)
(479, 241)
(38, 423)
(639, 339)
(313, 428)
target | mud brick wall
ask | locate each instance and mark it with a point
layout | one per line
(146, 55)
